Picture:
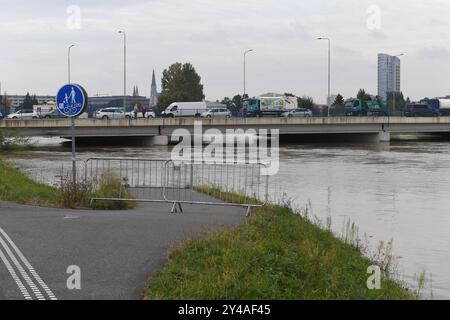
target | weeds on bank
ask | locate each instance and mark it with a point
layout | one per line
(383, 256)
(75, 195)
(108, 185)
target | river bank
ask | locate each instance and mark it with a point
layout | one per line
(274, 255)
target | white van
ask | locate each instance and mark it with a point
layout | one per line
(185, 109)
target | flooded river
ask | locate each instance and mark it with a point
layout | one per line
(398, 191)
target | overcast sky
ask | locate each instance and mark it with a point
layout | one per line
(213, 34)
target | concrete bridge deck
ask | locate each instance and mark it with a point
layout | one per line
(92, 128)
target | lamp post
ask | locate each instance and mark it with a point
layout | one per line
(68, 62)
(329, 73)
(72, 122)
(245, 71)
(124, 69)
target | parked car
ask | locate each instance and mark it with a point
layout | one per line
(217, 113)
(420, 110)
(148, 115)
(54, 114)
(24, 114)
(303, 113)
(110, 114)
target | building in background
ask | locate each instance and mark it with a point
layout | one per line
(389, 79)
(99, 102)
(215, 104)
(135, 91)
(154, 95)
(17, 100)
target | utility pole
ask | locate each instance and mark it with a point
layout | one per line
(124, 69)
(329, 73)
(245, 71)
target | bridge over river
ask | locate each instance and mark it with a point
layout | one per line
(157, 131)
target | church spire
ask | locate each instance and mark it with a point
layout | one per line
(153, 79)
(154, 95)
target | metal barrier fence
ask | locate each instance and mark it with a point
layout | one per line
(178, 183)
(144, 178)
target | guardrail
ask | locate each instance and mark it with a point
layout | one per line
(186, 182)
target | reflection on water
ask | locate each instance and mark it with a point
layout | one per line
(394, 191)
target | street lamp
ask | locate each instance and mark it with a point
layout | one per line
(72, 122)
(68, 61)
(245, 70)
(329, 72)
(124, 69)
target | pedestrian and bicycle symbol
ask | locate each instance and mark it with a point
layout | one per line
(71, 100)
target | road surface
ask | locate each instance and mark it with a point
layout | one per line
(115, 251)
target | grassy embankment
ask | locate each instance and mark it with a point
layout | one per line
(275, 254)
(17, 187)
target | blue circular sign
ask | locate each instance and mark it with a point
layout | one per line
(71, 100)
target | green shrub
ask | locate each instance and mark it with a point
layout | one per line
(75, 195)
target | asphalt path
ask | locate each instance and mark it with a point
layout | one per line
(46, 253)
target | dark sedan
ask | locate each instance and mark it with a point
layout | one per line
(54, 114)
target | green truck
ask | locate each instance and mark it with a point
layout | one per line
(274, 105)
(357, 107)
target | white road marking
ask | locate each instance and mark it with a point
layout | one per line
(28, 265)
(71, 217)
(22, 272)
(13, 274)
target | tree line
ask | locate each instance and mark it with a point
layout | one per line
(28, 102)
(181, 82)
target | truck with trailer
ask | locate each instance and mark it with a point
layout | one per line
(273, 105)
(440, 106)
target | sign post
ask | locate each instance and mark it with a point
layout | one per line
(72, 101)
